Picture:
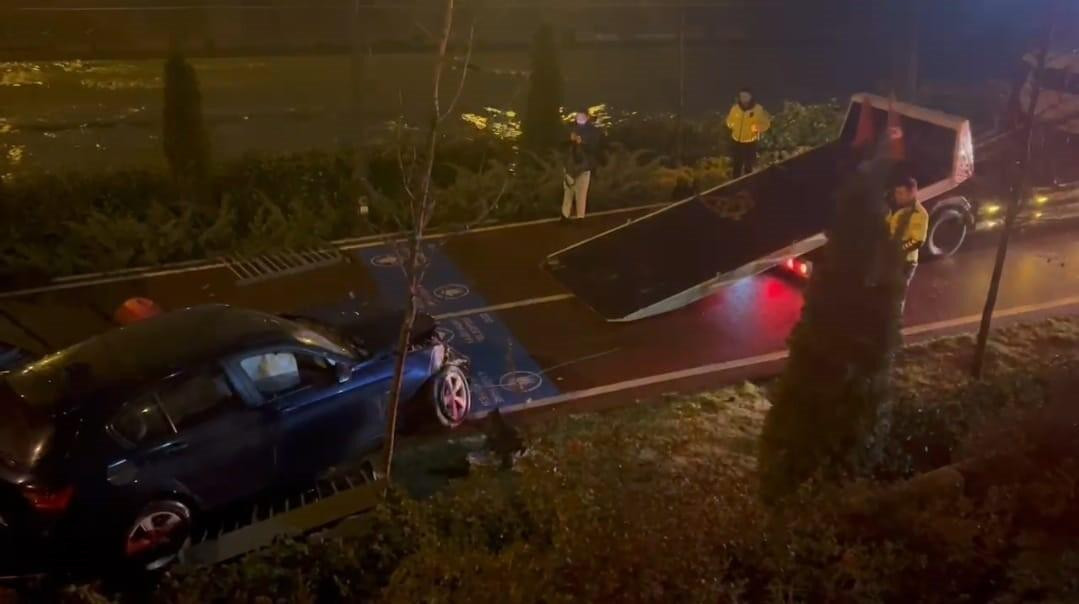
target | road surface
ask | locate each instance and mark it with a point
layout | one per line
(533, 344)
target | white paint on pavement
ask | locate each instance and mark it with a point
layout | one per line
(506, 306)
(773, 357)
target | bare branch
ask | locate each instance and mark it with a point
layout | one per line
(443, 45)
(464, 71)
(406, 173)
(426, 32)
(492, 206)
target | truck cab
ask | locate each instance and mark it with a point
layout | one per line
(981, 202)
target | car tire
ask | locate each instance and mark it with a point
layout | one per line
(450, 395)
(157, 535)
(948, 230)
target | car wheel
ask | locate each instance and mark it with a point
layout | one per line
(157, 535)
(451, 396)
(948, 230)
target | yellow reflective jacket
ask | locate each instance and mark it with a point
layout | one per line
(747, 125)
(914, 233)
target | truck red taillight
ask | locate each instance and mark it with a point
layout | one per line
(797, 266)
(48, 502)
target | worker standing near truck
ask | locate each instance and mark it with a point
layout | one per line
(908, 225)
(580, 161)
(747, 121)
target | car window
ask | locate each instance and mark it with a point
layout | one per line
(277, 373)
(141, 421)
(195, 399)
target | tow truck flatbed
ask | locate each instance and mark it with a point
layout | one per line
(685, 251)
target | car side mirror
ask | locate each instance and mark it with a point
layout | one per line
(343, 371)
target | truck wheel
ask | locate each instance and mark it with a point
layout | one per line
(948, 229)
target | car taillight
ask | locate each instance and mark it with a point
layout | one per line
(49, 502)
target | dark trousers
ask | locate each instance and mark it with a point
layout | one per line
(744, 156)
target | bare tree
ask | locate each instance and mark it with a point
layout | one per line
(421, 202)
(1022, 188)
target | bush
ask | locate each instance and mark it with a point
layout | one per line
(542, 128)
(798, 127)
(186, 141)
(833, 400)
(61, 224)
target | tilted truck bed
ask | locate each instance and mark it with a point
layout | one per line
(683, 252)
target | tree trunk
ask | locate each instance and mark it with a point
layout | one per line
(421, 206)
(1021, 193)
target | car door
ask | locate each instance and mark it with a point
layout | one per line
(326, 418)
(195, 435)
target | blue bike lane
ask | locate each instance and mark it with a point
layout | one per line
(504, 374)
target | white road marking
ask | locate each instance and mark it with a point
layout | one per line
(999, 314)
(506, 306)
(771, 357)
(192, 266)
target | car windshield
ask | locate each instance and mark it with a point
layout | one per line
(325, 337)
(25, 431)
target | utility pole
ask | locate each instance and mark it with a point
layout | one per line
(1021, 192)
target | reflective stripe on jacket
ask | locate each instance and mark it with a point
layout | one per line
(915, 231)
(747, 125)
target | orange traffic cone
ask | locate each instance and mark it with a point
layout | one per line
(135, 309)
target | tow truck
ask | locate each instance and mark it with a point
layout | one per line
(777, 217)
(774, 217)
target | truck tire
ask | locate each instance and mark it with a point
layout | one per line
(948, 229)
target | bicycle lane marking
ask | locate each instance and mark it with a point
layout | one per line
(503, 372)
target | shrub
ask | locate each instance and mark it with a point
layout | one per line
(798, 127)
(186, 141)
(832, 404)
(542, 127)
(59, 224)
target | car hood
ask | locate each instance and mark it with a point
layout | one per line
(371, 328)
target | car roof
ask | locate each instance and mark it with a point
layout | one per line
(148, 350)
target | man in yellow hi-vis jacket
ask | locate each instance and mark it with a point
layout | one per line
(747, 121)
(908, 225)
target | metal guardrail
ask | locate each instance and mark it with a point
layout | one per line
(244, 528)
(255, 269)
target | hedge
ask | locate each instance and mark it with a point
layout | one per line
(58, 224)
